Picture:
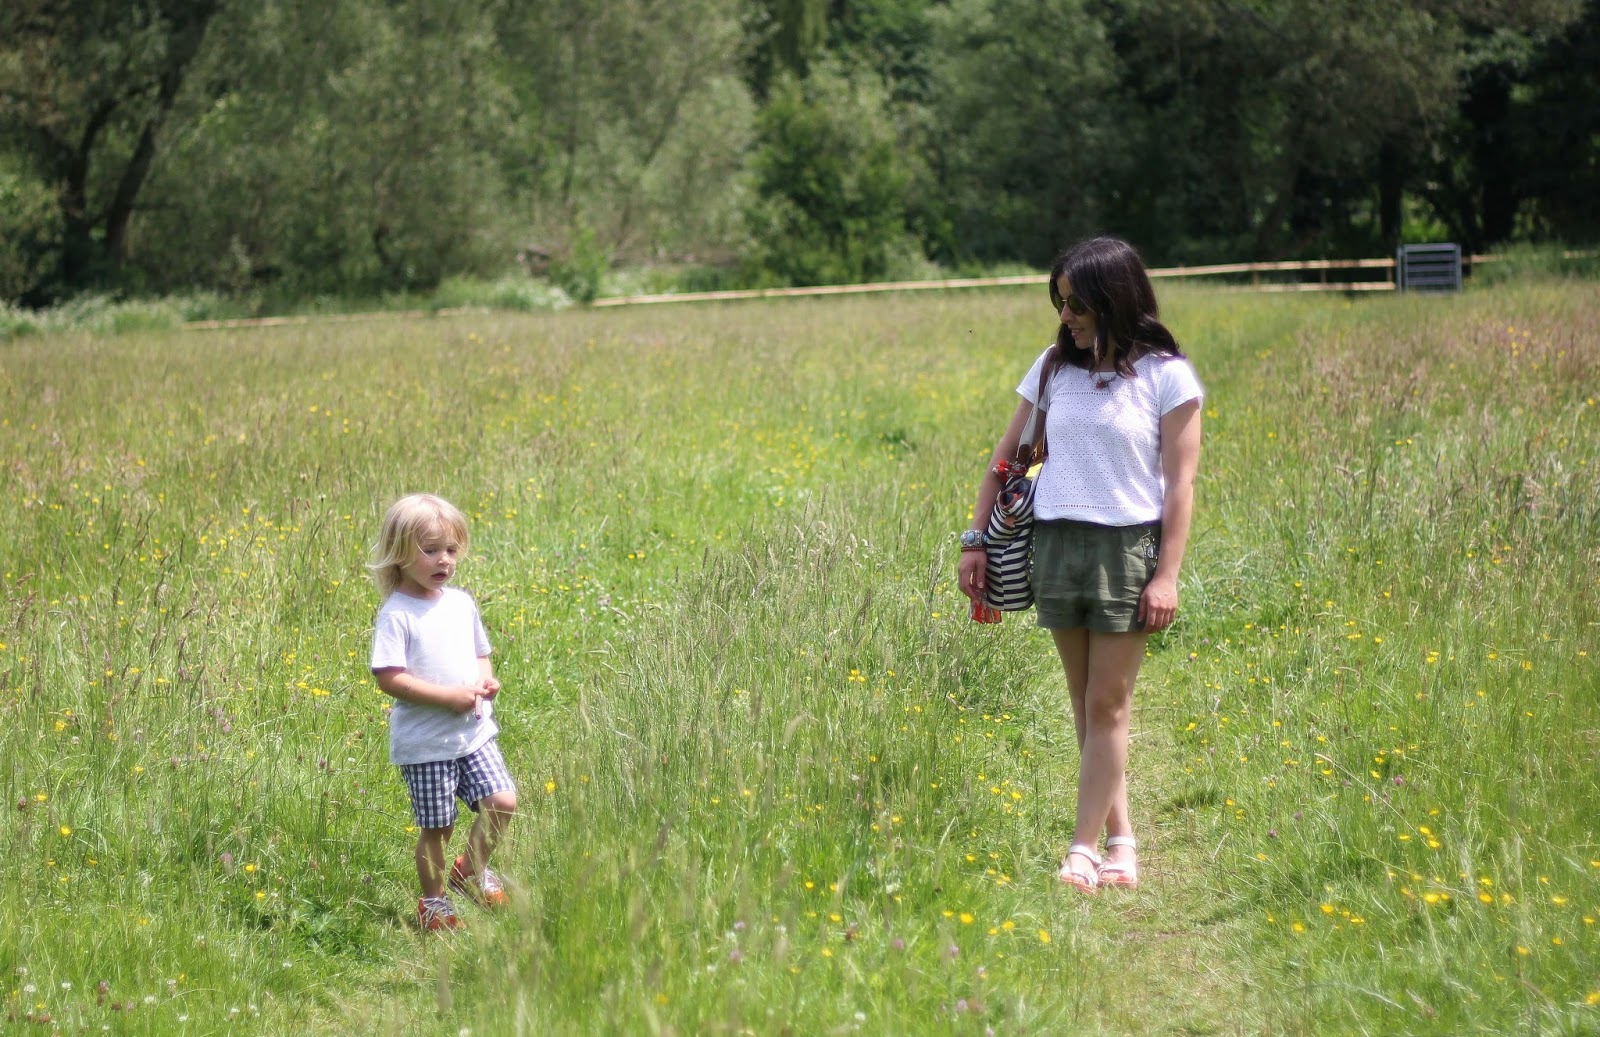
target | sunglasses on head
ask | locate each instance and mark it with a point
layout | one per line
(1071, 302)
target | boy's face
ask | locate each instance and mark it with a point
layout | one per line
(432, 565)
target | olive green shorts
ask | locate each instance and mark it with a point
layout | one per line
(1091, 576)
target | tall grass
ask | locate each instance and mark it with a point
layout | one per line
(1402, 709)
(772, 778)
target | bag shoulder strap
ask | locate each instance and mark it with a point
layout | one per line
(1032, 450)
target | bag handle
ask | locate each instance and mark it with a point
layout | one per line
(1029, 452)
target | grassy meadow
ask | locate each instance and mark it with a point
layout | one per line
(773, 780)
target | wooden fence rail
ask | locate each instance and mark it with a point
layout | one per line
(1254, 269)
(1288, 264)
(1214, 270)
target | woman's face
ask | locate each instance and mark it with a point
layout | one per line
(1081, 325)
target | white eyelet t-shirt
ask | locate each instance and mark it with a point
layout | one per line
(439, 640)
(1104, 464)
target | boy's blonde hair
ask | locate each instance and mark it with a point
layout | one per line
(409, 520)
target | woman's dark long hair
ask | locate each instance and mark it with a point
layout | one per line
(1108, 275)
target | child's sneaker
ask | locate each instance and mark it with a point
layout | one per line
(436, 913)
(484, 889)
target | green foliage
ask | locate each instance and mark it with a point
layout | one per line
(634, 122)
(365, 147)
(107, 315)
(789, 34)
(294, 149)
(830, 182)
(674, 278)
(103, 315)
(580, 272)
(1557, 132)
(30, 229)
(1021, 135)
(1522, 263)
(374, 177)
(16, 322)
(892, 38)
(88, 88)
(516, 293)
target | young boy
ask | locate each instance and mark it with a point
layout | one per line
(430, 652)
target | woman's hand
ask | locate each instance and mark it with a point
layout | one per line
(971, 573)
(1158, 605)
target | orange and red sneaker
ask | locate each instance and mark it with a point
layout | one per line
(485, 889)
(436, 913)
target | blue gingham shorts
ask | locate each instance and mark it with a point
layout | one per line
(437, 784)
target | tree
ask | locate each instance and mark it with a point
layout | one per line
(403, 145)
(634, 120)
(1018, 94)
(86, 87)
(346, 147)
(1556, 113)
(830, 181)
(891, 38)
(1524, 126)
(1259, 125)
(30, 229)
(788, 34)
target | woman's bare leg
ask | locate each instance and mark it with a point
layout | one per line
(1101, 670)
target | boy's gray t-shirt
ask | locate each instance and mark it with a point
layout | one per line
(439, 640)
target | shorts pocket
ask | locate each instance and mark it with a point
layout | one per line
(1141, 558)
(1146, 550)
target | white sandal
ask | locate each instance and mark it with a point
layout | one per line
(1082, 883)
(1113, 874)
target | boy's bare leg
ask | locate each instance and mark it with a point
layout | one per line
(494, 813)
(432, 843)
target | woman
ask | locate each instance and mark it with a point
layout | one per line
(1112, 508)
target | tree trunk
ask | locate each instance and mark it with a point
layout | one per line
(1391, 194)
(78, 249)
(1494, 165)
(185, 44)
(1499, 169)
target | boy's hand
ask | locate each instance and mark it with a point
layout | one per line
(491, 687)
(462, 699)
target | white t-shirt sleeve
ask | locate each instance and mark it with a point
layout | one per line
(389, 637)
(1176, 384)
(480, 637)
(1029, 387)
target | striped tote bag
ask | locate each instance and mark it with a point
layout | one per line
(1008, 567)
